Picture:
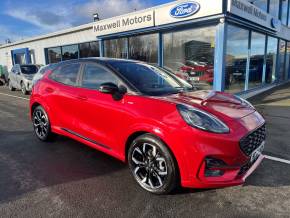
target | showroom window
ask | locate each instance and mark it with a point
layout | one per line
(89, 49)
(54, 55)
(190, 55)
(70, 52)
(236, 58)
(284, 11)
(282, 49)
(258, 41)
(271, 59)
(116, 48)
(144, 48)
(287, 69)
(263, 4)
(274, 8)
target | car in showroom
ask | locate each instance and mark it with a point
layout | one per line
(169, 133)
(20, 77)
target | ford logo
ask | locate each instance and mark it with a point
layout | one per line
(185, 9)
(276, 24)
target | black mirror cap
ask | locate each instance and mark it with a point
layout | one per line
(109, 88)
(122, 90)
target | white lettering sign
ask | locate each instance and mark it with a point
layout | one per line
(125, 23)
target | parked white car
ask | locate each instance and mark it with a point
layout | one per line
(20, 77)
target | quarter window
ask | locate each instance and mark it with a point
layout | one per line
(66, 74)
(95, 75)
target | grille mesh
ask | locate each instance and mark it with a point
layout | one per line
(252, 141)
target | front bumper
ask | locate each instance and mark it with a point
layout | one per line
(198, 147)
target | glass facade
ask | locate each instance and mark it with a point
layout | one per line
(287, 70)
(236, 59)
(251, 58)
(190, 55)
(70, 52)
(144, 48)
(284, 11)
(89, 49)
(54, 55)
(258, 41)
(282, 50)
(289, 15)
(274, 8)
(116, 48)
(271, 59)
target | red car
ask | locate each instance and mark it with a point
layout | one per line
(168, 132)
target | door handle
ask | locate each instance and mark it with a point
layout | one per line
(81, 97)
(49, 90)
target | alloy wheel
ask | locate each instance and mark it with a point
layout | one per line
(149, 166)
(41, 123)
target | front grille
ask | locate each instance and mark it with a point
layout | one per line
(252, 141)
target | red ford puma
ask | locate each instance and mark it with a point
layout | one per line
(168, 132)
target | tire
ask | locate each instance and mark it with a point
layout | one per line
(23, 89)
(41, 124)
(152, 165)
(11, 88)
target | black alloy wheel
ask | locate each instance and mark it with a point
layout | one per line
(41, 124)
(152, 165)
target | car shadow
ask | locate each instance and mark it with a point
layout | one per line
(27, 164)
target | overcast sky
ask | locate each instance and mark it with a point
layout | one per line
(25, 18)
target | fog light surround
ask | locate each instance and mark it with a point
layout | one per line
(213, 167)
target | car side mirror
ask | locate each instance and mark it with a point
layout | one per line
(109, 88)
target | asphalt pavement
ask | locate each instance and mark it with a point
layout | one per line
(68, 179)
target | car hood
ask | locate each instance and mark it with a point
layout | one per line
(216, 103)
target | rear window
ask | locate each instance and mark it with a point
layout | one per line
(29, 69)
(66, 74)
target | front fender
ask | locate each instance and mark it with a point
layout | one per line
(166, 135)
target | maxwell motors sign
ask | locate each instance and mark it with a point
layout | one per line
(165, 14)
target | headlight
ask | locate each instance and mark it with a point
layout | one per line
(202, 120)
(244, 101)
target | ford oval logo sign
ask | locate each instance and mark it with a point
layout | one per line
(276, 24)
(185, 9)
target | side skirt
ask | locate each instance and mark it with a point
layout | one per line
(85, 138)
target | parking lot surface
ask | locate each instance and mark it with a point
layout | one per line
(67, 179)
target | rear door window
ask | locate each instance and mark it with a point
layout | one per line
(66, 74)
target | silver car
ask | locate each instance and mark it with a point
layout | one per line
(20, 77)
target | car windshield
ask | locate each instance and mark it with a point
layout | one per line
(29, 69)
(151, 80)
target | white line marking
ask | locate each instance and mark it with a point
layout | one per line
(277, 159)
(14, 96)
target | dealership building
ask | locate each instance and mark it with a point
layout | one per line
(237, 46)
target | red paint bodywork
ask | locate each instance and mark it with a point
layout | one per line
(102, 119)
